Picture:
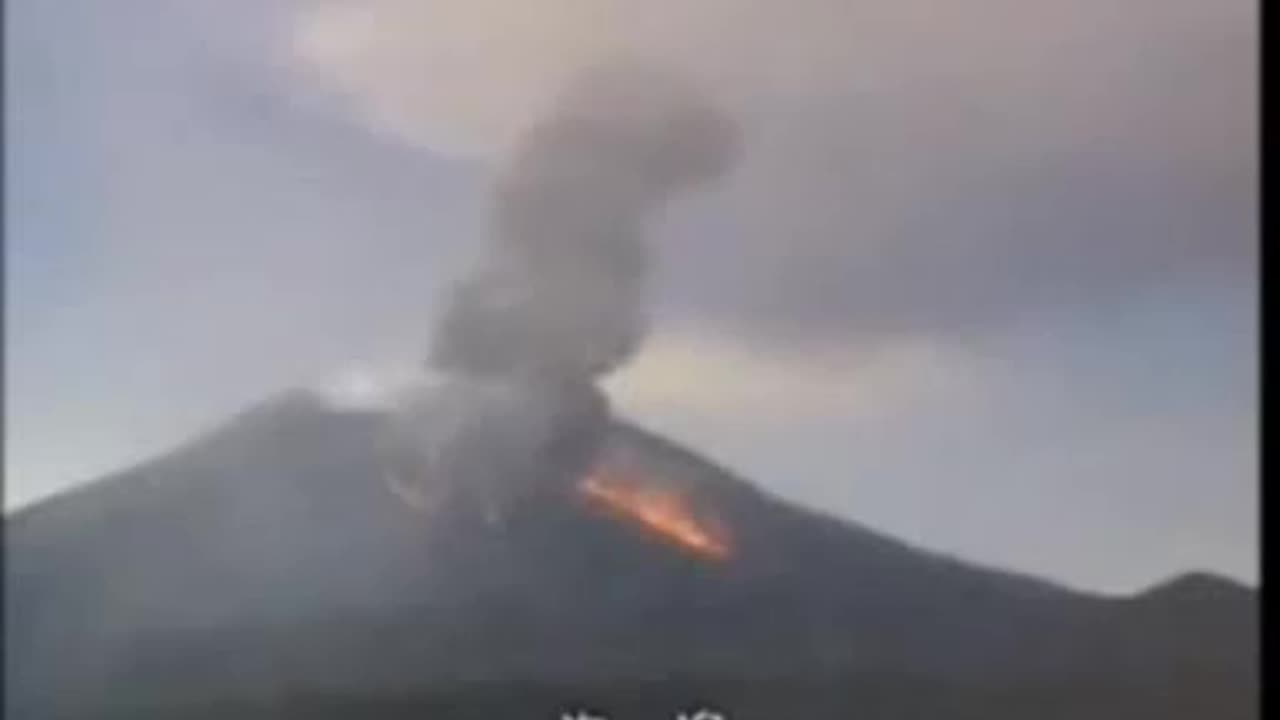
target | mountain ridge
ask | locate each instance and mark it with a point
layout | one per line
(274, 537)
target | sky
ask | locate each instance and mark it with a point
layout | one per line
(984, 279)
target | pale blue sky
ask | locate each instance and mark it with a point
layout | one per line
(986, 279)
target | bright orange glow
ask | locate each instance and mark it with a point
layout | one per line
(660, 510)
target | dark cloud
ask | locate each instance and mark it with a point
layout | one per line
(958, 202)
(911, 167)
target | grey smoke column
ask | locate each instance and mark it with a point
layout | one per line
(560, 298)
(561, 294)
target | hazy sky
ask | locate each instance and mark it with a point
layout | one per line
(985, 278)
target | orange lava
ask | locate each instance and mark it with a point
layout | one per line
(659, 510)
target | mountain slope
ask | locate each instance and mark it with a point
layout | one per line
(268, 564)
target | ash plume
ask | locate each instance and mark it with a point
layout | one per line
(559, 299)
(561, 293)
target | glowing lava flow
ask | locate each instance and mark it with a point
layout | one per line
(659, 510)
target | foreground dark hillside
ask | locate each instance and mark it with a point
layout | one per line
(267, 571)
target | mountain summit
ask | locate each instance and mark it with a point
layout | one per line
(273, 569)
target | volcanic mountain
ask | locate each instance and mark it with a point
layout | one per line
(268, 569)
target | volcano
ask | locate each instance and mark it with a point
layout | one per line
(269, 569)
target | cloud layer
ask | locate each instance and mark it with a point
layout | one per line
(913, 167)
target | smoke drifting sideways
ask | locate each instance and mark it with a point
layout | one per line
(559, 299)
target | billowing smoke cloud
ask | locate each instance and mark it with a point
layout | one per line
(559, 298)
(562, 292)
